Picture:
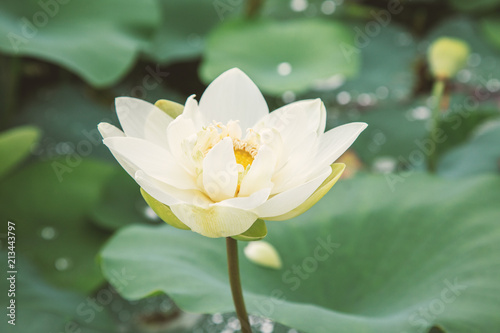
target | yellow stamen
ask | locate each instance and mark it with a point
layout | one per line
(243, 157)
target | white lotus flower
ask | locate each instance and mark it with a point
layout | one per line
(227, 162)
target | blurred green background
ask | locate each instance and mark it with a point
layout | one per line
(62, 63)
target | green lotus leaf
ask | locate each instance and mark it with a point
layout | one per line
(367, 258)
(97, 39)
(281, 56)
(15, 146)
(50, 203)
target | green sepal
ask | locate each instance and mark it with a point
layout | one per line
(163, 211)
(173, 109)
(257, 231)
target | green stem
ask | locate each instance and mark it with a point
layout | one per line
(234, 280)
(437, 94)
(253, 7)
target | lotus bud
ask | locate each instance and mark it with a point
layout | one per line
(447, 56)
(264, 254)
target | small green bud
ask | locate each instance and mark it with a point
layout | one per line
(173, 109)
(447, 56)
(163, 211)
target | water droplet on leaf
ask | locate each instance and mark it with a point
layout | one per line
(288, 96)
(343, 97)
(420, 113)
(150, 213)
(328, 7)
(366, 99)
(284, 69)
(493, 85)
(267, 327)
(330, 83)
(384, 165)
(62, 264)
(379, 138)
(405, 39)
(474, 60)
(382, 92)
(48, 233)
(464, 75)
(217, 318)
(298, 5)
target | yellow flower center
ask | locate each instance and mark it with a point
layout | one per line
(245, 149)
(243, 157)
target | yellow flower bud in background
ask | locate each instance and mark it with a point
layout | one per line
(264, 254)
(447, 56)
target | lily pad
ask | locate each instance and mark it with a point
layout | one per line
(49, 203)
(179, 38)
(281, 55)
(384, 75)
(394, 132)
(41, 307)
(68, 117)
(15, 145)
(367, 258)
(120, 203)
(460, 125)
(481, 154)
(97, 39)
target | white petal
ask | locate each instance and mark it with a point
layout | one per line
(220, 173)
(234, 129)
(322, 119)
(109, 131)
(299, 165)
(179, 130)
(286, 201)
(216, 221)
(337, 170)
(298, 124)
(233, 96)
(296, 120)
(170, 195)
(247, 203)
(152, 159)
(260, 173)
(336, 141)
(192, 111)
(140, 119)
(271, 137)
